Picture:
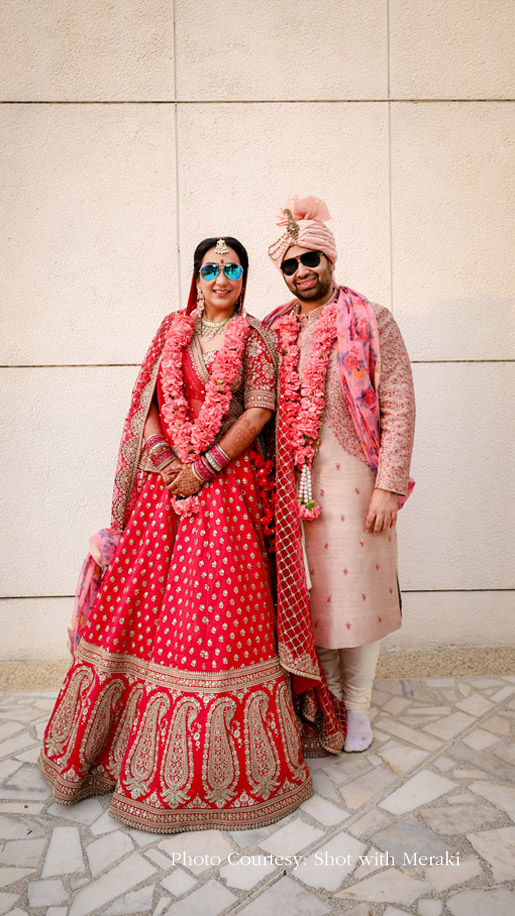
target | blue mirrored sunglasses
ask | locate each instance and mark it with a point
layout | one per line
(210, 271)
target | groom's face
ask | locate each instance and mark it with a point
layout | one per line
(308, 283)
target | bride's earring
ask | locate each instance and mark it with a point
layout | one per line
(200, 302)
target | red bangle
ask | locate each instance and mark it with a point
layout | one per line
(217, 458)
(159, 451)
(152, 441)
(202, 469)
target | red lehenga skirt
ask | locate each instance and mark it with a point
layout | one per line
(176, 699)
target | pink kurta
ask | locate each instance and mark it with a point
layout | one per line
(355, 597)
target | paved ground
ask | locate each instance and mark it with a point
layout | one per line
(422, 823)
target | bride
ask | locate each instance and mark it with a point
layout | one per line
(176, 699)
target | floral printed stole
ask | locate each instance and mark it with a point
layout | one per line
(359, 365)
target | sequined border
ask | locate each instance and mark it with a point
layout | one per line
(65, 791)
(158, 675)
(139, 814)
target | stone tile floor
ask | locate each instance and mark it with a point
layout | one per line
(421, 823)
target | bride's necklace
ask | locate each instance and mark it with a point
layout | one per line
(210, 329)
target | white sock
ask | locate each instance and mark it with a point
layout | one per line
(359, 732)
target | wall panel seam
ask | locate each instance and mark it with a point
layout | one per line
(177, 102)
(414, 362)
(390, 194)
(176, 129)
(405, 591)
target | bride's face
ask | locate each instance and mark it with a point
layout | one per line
(221, 292)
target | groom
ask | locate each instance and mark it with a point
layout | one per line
(346, 424)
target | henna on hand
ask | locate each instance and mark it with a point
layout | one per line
(170, 472)
(185, 483)
(245, 429)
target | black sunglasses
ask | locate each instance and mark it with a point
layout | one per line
(309, 259)
(210, 271)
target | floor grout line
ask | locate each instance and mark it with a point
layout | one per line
(235, 102)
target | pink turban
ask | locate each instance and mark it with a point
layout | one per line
(304, 219)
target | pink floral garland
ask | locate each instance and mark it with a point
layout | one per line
(303, 406)
(191, 438)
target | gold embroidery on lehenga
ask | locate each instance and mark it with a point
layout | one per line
(261, 756)
(177, 773)
(143, 759)
(243, 813)
(63, 725)
(220, 768)
(289, 731)
(123, 730)
(99, 722)
(157, 675)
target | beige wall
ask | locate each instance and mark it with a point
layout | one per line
(132, 129)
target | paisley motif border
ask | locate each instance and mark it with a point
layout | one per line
(65, 790)
(146, 817)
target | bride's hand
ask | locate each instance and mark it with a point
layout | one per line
(185, 483)
(169, 473)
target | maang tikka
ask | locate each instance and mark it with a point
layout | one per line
(221, 247)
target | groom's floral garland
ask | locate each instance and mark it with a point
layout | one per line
(303, 405)
(191, 438)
